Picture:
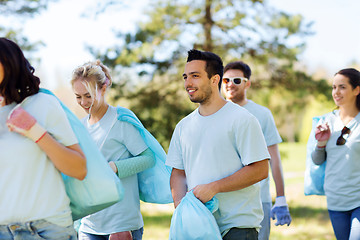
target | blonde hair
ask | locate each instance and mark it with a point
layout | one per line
(94, 76)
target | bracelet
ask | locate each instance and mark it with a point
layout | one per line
(40, 137)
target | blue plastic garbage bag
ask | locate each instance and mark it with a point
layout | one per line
(194, 220)
(314, 174)
(154, 183)
(101, 187)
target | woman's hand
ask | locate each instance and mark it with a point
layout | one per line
(23, 123)
(69, 160)
(322, 134)
(113, 167)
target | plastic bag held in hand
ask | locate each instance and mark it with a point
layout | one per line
(281, 211)
(194, 220)
(121, 236)
(23, 123)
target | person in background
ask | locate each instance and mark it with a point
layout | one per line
(36, 144)
(338, 139)
(122, 146)
(218, 150)
(236, 82)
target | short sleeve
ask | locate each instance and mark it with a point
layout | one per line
(50, 115)
(252, 147)
(174, 157)
(271, 133)
(129, 136)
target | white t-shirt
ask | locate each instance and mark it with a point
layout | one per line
(121, 141)
(31, 187)
(342, 172)
(213, 147)
(271, 135)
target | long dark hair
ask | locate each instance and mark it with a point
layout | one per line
(19, 79)
(354, 79)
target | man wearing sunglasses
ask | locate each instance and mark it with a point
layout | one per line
(236, 82)
(218, 150)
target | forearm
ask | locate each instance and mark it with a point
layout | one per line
(318, 156)
(134, 165)
(178, 185)
(276, 170)
(69, 160)
(243, 178)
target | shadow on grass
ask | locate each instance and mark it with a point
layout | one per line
(307, 223)
(297, 213)
(306, 212)
(160, 220)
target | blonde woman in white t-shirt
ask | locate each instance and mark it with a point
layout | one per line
(122, 146)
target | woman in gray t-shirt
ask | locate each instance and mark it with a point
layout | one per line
(338, 143)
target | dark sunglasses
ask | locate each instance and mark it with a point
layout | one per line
(235, 80)
(341, 140)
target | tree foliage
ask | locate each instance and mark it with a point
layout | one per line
(23, 9)
(269, 40)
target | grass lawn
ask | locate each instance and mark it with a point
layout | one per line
(310, 219)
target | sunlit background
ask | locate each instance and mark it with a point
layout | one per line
(67, 29)
(67, 26)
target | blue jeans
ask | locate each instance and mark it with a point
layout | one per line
(36, 230)
(346, 224)
(264, 233)
(241, 233)
(136, 235)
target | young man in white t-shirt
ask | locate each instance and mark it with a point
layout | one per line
(218, 150)
(236, 82)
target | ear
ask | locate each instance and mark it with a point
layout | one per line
(247, 84)
(103, 89)
(357, 90)
(215, 79)
(2, 101)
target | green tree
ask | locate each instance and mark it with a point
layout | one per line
(268, 39)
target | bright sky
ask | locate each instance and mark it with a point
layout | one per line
(336, 42)
(65, 33)
(334, 46)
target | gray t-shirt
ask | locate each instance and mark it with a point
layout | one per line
(116, 140)
(271, 135)
(342, 171)
(213, 147)
(31, 186)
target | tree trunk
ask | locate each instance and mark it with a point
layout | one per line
(208, 23)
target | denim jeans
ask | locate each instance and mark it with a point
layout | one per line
(136, 235)
(241, 233)
(264, 233)
(346, 224)
(36, 230)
